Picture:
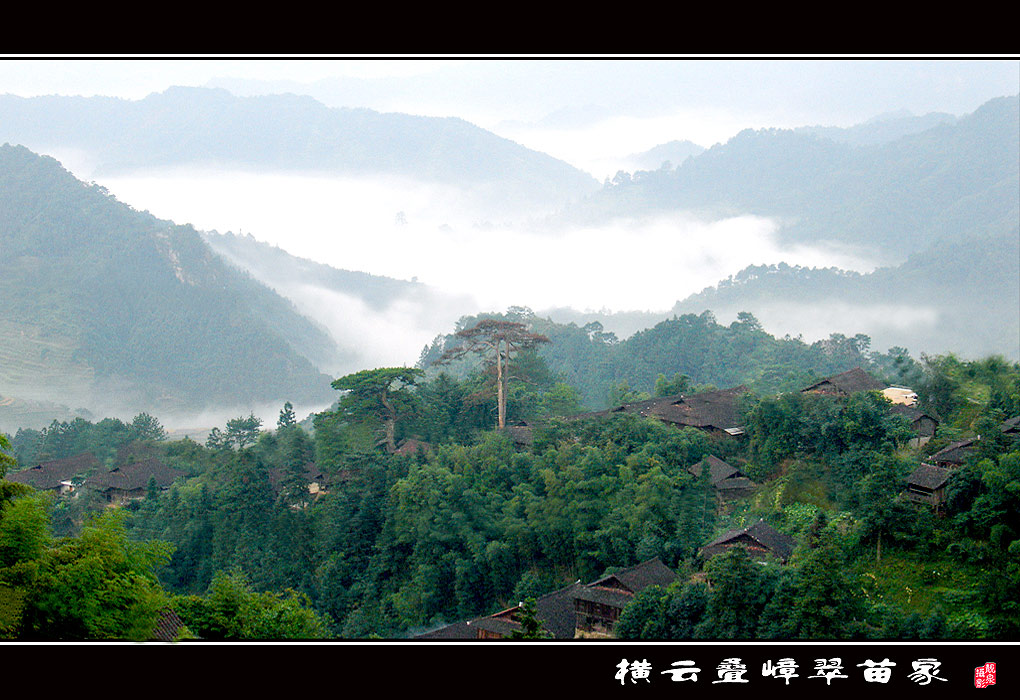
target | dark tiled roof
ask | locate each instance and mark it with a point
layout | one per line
(168, 627)
(1011, 425)
(737, 482)
(499, 625)
(555, 611)
(311, 473)
(781, 545)
(613, 597)
(849, 382)
(954, 453)
(636, 578)
(710, 409)
(48, 475)
(135, 476)
(411, 446)
(929, 476)
(718, 470)
(910, 413)
(458, 630)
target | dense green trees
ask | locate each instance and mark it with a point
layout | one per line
(475, 524)
(382, 394)
(231, 610)
(497, 341)
(99, 585)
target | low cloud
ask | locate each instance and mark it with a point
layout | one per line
(443, 237)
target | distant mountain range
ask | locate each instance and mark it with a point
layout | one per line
(113, 310)
(869, 188)
(961, 297)
(186, 126)
(108, 308)
(956, 297)
(666, 155)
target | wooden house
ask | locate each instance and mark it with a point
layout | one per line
(845, 384)
(131, 481)
(923, 425)
(954, 454)
(1011, 427)
(597, 606)
(56, 475)
(311, 477)
(555, 611)
(730, 483)
(573, 611)
(927, 484)
(412, 446)
(716, 412)
(761, 541)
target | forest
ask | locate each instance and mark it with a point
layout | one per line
(495, 472)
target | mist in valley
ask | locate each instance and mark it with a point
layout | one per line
(465, 248)
(464, 261)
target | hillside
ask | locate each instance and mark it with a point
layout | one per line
(960, 297)
(211, 127)
(952, 181)
(110, 308)
(373, 320)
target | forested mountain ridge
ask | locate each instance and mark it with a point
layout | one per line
(273, 264)
(693, 349)
(186, 126)
(881, 129)
(104, 304)
(955, 297)
(954, 180)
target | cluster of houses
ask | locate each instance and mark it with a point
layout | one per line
(137, 473)
(118, 485)
(718, 413)
(591, 611)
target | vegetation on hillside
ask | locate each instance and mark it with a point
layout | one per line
(473, 519)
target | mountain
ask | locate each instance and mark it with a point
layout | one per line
(277, 268)
(374, 320)
(186, 126)
(111, 309)
(672, 153)
(959, 297)
(952, 181)
(881, 129)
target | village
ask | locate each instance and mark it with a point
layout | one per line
(581, 609)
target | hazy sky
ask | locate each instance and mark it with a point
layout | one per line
(590, 112)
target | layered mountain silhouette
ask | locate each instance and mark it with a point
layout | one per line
(104, 306)
(867, 189)
(188, 126)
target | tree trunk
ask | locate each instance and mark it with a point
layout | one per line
(390, 422)
(500, 392)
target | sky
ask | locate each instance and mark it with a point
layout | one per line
(592, 113)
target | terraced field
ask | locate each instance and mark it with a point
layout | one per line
(38, 373)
